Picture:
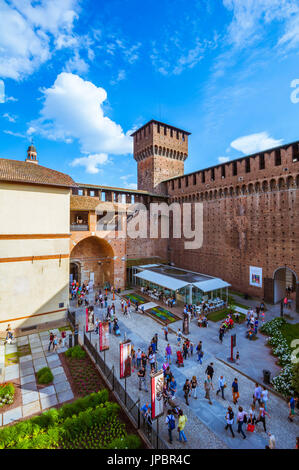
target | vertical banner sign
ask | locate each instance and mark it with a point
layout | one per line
(86, 319)
(157, 382)
(125, 359)
(255, 276)
(89, 319)
(104, 335)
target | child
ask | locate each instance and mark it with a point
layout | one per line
(262, 314)
(237, 357)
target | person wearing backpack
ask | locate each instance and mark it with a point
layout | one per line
(170, 421)
(229, 420)
(199, 352)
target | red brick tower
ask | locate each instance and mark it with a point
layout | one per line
(160, 151)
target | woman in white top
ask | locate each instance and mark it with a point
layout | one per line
(241, 418)
(252, 417)
(264, 397)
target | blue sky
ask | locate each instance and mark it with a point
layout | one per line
(79, 76)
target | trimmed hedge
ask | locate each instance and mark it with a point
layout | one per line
(76, 352)
(44, 376)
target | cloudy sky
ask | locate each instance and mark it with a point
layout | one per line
(77, 76)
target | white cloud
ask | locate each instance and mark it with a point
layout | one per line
(76, 64)
(27, 32)
(223, 159)
(127, 185)
(15, 134)
(9, 117)
(10, 98)
(250, 17)
(73, 109)
(254, 143)
(120, 76)
(91, 162)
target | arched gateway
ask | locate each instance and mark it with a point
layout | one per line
(283, 277)
(92, 259)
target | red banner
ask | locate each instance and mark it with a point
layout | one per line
(104, 335)
(157, 383)
(125, 359)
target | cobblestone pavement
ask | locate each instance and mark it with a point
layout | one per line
(205, 426)
(34, 401)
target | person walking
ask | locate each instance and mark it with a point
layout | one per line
(181, 426)
(210, 370)
(271, 444)
(207, 386)
(199, 352)
(221, 385)
(179, 337)
(241, 418)
(187, 391)
(221, 333)
(264, 397)
(194, 385)
(170, 421)
(165, 328)
(252, 418)
(50, 340)
(257, 394)
(168, 353)
(185, 350)
(235, 391)
(55, 343)
(230, 420)
(142, 379)
(291, 405)
(172, 387)
(262, 416)
(138, 358)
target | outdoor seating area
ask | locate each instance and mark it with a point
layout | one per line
(210, 306)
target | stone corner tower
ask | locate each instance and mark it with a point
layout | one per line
(160, 151)
(31, 154)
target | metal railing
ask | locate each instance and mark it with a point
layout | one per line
(133, 409)
(71, 316)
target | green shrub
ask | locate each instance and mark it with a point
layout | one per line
(44, 376)
(76, 352)
(90, 401)
(7, 393)
(131, 441)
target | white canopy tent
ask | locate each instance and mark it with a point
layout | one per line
(211, 284)
(161, 280)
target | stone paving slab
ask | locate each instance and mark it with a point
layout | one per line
(31, 408)
(49, 401)
(55, 364)
(27, 379)
(10, 348)
(24, 359)
(29, 387)
(62, 387)
(30, 397)
(65, 396)
(39, 364)
(57, 370)
(36, 350)
(26, 371)
(38, 355)
(11, 372)
(59, 378)
(22, 341)
(47, 392)
(12, 415)
(53, 357)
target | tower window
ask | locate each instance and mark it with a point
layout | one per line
(165, 130)
(277, 157)
(212, 174)
(235, 169)
(247, 165)
(194, 179)
(171, 133)
(91, 193)
(223, 171)
(183, 137)
(186, 181)
(172, 184)
(179, 182)
(80, 192)
(203, 177)
(158, 128)
(262, 161)
(295, 152)
(177, 134)
(103, 196)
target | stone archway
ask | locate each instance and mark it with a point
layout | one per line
(96, 258)
(284, 277)
(75, 270)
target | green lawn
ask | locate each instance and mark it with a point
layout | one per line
(290, 331)
(222, 314)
